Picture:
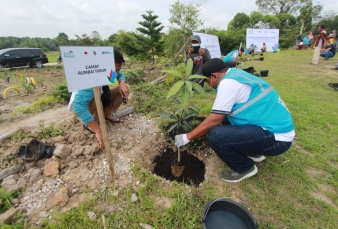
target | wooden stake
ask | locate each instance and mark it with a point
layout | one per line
(99, 108)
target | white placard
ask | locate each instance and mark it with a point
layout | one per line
(211, 43)
(259, 36)
(87, 67)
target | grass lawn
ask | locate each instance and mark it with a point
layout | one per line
(298, 189)
(52, 56)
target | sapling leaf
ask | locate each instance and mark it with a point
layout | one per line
(165, 115)
(185, 97)
(176, 100)
(168, 78)
(175, 88)
(190, 115)
(178, 111)
(186, 126)
(174, 72)
(189, 85)
(198, 88)
(188, 67)
(197, 77)
(172, 127)
(194, 107)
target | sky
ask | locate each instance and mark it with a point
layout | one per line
(47, 18)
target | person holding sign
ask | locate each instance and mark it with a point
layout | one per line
(231, 59)
(199, 56)
(248, 120)
(83, 102)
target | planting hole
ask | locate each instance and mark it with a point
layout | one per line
(193, 172)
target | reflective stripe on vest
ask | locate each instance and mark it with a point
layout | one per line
(254, 100)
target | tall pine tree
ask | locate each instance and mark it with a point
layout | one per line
(152, 30)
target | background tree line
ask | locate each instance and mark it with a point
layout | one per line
(291, 17)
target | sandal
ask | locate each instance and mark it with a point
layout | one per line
(87, 128)
(115, 119)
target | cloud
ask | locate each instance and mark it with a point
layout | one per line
(41, 18)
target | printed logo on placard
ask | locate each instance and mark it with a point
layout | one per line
(94, 52)
(106, 52)
(251, 31)
(69, 54)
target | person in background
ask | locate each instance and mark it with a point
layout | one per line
(332, 37)
(231, 59)
(300, 45)
(83, 103)
(328, 51)
(321, 37)
(298, 40)
(263, 49)
(248, 120)
(252, 48)
(199, 56)
(306, 42)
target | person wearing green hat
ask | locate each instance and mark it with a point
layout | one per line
(248, 121)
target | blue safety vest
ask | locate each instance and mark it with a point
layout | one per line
(264, 107)
(228, 57)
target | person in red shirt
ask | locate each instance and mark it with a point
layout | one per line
(321, 37)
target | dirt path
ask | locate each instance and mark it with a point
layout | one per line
(54, 115)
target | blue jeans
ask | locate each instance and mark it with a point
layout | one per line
(327, 54)
(233, 143)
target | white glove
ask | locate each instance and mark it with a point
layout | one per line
(181, 140)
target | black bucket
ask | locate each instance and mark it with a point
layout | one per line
(226, 214)
(261, 58)
(264, 72)
(261, 54)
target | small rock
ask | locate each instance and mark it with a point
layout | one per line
(162, 203)
(146, 226)
(77, 150)
(52, 168)
(22, 182)
(61, 197)
(58, 139)
(34, 175)
(62, 150)
(133, 198)
(15, 201)
(9, 183)
(137, 182)
(91, 215)
(8, 216)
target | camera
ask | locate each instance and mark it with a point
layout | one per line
(196, 49)
(124, 100)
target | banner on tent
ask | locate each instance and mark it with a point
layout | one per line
(259, 36)
(211, 43)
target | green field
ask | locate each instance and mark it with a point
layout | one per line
(52, 56)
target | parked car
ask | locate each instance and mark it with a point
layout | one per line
(15, 57)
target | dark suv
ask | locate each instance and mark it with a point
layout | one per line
(15, 57)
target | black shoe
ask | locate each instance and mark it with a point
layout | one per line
(333, 85)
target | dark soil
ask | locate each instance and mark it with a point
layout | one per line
(193, 173)
(198, 143)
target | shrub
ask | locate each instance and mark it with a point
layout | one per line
(61, 93)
